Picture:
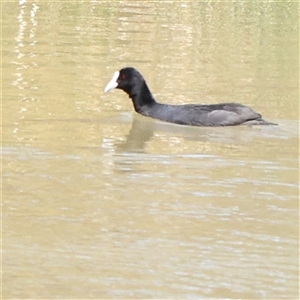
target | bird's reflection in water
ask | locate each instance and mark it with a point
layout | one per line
(144, 129)
(133, 154)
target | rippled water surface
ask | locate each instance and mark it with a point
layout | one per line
(99, 202)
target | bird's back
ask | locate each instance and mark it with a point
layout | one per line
(223, 114)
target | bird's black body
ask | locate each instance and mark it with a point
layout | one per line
(225, 114)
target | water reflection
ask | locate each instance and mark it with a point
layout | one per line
(22, 42)
(96, 205)
(143, 130)
(25, 57)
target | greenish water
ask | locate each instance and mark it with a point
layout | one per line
(98, 202)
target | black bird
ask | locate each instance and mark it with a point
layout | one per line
(224, 114)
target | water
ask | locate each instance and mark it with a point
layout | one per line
(99, 202)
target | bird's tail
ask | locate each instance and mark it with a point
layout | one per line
(259, 121)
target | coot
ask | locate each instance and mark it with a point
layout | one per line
(225, 114)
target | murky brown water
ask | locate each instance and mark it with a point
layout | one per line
(99, 202)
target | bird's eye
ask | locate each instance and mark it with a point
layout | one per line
(123, 76)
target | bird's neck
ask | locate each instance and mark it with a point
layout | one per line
(141, 97)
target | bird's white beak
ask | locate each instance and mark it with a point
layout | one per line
(113, 82)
